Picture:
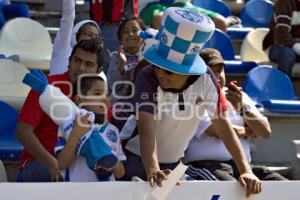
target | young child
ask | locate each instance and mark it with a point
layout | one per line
(96, 151)
(91, 96)
(123, 63)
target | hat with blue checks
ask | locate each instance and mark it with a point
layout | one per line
(181, 36)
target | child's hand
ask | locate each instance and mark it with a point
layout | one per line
(81, 125)
(122, 59)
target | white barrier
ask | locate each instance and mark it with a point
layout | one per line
(193, 190)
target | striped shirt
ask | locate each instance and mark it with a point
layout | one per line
(285, 24)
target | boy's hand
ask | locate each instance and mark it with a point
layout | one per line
(81, 125)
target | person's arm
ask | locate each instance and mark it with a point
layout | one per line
(232, 143)
(148, 149)
(25, 134)
(61, 46)
(258, 124)
(66, 155)
(240, 131)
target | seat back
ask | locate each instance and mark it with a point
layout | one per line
(257, 13)
(9, 146)
(24, 36)
(264, 83)
(252, 46)
(221, 41)
(214, 5)
(12, 90)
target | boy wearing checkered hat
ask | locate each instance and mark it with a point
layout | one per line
(172, 95)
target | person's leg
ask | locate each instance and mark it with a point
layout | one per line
(110, 42)
(263, 173)
(15, 10)
(284, 56)
(34, 171)
(133, 167)
(210, 170)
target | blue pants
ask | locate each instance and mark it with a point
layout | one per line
(10, 11)
(34, 171)
(284, 56)
(110, 42)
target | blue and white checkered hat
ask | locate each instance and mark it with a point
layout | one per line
(182, 34)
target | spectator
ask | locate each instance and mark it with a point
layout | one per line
(171, 95)
(283, 37)
(68, 36)
(122, 64)
(36, 131)
(110, 13)
(9, 11)
(206, 154)
(75, 166)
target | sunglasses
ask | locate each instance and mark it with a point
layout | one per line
(165, 71)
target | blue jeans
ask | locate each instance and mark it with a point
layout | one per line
(13, 10)
(34, 171)
(110, 42)
(284, 56)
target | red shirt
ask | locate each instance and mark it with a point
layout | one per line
(44, 128)
(111, 10)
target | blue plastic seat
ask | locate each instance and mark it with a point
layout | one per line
(222, 42)
(272, 89)
(257, 13)
(214, 5)
(10, 148)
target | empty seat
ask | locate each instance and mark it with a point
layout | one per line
(12, 90)
(252, 46)
(28, 39)
(222, 42)
(214, 5)
(257, 13)
(272, 89)
(10, 148)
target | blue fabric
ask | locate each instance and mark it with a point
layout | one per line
(189, 59)
(171, 25)
(110, 42)
(164, 50)
(180, 45)
(10, 148)
(97, 152)
(34, 171)
(284, 56)
(200, 37)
